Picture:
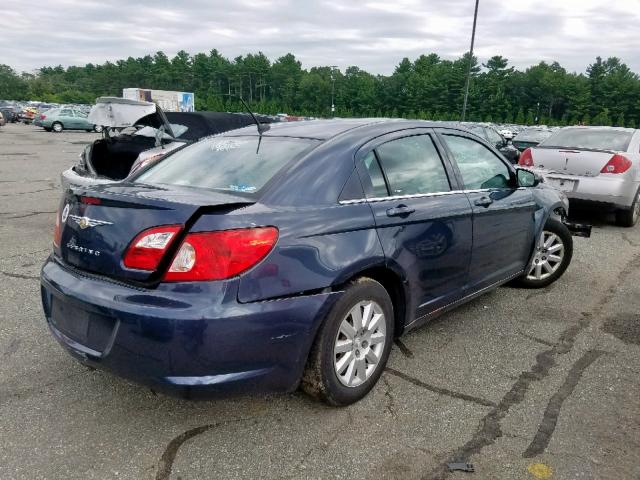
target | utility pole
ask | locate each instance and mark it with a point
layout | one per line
(333, 89)
(473, 37)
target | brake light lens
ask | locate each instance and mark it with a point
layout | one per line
(148, 248)
(42, 117)
(220, 255)
(526, 158)
(617, 164)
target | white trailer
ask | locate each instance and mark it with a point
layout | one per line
(167, 100)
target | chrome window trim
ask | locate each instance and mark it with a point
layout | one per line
(420, 195)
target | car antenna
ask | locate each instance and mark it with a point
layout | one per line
(262, 127)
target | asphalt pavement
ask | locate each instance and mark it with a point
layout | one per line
(522, 384)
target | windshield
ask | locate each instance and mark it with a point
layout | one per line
(589, 139)
(532, 136)
(227, 163)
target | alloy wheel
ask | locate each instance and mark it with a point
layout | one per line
(359, 343)
(548, 256)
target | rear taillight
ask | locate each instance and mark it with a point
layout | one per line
(148, 248)
(526, 158)
(42, 117)
(220, 255)
(617, 164)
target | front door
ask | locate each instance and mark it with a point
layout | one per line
(503, 214)
(423, 224)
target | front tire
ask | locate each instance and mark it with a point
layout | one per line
(552, 256)
(57, 127)
(352, 346)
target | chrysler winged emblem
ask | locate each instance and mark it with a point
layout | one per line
(86, 222)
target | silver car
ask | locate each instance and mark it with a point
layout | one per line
(593, 164)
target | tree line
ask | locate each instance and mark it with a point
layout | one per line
(429, 87)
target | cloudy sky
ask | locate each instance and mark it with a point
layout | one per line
(375, 35)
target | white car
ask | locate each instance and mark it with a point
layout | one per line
(137, 134)
(600, 165)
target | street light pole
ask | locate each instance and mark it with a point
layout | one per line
(333, 89)
(473, 37)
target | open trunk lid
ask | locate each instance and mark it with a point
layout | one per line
(116, 112)
(571, 161)
(98, 223)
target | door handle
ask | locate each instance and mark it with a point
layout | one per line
(400, 211)
(483, 202)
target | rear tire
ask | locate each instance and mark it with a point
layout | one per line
(349, 355)
(552, 256)
(628, 218)
(98, 128)
(57, 127)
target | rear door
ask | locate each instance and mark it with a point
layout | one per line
(67, 119)
(503, 214)
(423, 221)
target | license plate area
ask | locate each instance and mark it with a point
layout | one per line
(90, 329)
(562, 184)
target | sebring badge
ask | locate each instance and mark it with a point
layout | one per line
(86, 222)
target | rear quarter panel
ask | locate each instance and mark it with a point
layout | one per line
(317, 247)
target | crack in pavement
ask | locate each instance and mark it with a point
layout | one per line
(489, 428)
(440, 390)
(26, 193)
(626, 238)
(536, 339)
(322, 446)
(391, 403)
(19, 275)
(550, 419)
(25, 215)
(403, 348)
(165, 465)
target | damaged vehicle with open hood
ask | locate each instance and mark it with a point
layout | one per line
(137, 133)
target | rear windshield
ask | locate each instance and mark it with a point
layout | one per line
(532, 136)
(233, 164)
(590, 139)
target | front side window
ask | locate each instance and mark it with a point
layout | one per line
(479, 167)
(413, 166)
(235, 164)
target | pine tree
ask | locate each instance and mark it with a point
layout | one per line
(519, 120)
(530, 119)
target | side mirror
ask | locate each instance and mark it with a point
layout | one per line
(527, 178)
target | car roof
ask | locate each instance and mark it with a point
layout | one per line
(326, 129)
(596, 127)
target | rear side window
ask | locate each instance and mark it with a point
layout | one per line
(413, 166)
(479, 167)
(66, 113)
(590, 139)
(378, 185)
(236, 164)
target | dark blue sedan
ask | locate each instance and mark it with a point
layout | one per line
(249, 262)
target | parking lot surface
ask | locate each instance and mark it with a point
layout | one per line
(521, 383)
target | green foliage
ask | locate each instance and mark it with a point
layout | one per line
(602, 119)
(427, 87)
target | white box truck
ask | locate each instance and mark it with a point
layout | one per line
(167, 100)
